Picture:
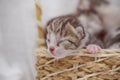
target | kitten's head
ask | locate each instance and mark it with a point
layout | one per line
(63, 35)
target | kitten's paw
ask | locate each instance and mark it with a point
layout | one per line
(92, 48)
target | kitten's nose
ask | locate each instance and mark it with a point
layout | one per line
(52, 49)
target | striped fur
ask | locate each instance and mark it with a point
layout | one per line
(109, 14)
(70, 32)
(64, 26)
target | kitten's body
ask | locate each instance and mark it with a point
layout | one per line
(110, 17)
(110, 14)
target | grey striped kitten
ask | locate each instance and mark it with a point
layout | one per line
(65, 34)
(110, 17)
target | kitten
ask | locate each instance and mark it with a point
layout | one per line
(65, 34)
(110, 16)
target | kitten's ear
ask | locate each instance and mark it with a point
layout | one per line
(70, 28)
(80, 32)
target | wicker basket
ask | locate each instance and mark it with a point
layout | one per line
(104, 65)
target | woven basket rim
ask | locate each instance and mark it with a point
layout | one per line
(42, 51)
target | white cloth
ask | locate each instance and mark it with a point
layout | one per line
(18, 33)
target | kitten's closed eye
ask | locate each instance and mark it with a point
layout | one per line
(68, 44)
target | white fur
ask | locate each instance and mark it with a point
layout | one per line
(84, 41)
(92, 25)
(83, 19)
(52, 40)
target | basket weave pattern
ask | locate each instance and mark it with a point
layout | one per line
(80, 65)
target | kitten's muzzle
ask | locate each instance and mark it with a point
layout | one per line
(51, 49)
